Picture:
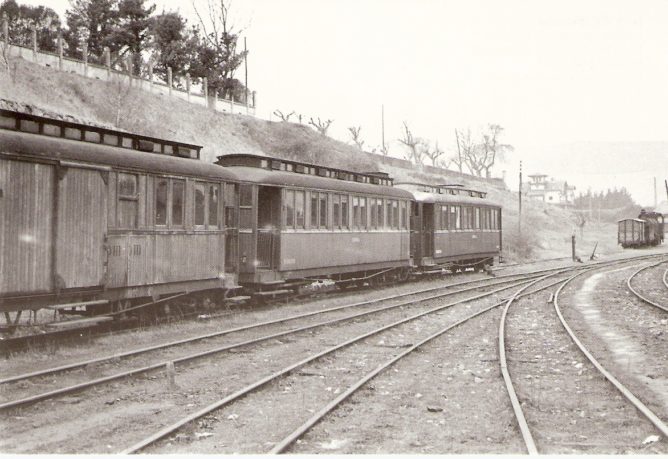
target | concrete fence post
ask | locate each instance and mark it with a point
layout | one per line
(34, 43)
(169, 79)
(5, 29)
(188, 85)
(107, 61)
(84, 51)
(205, 90)
(60, 50)
(231, 103)
(253, 95)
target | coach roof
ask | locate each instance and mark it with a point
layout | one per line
(284, 179)
(59, 149)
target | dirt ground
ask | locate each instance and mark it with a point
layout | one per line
(446, 398)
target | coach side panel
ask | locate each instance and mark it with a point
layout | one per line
(26, 227)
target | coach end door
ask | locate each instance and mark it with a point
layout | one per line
(268, 226)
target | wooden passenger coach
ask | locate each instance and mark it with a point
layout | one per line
(453, 227)
(90, 213)
(299, 221)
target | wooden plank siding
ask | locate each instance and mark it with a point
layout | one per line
(26, 226)
(307, 250)
(465, 242)
(81, 226)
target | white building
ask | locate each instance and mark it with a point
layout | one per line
(551, 191)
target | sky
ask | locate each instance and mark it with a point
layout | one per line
(558, 76)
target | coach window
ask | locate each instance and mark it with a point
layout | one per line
(299, 210)
(214, 191)
(477, 218)
(388, 214)
(200, 204)
(344, 211)
(374, 215)
(289, 221)
(404, 215)
(178, 198)
(457, 210)
(323, 210)
(395, 214)
(161, 192)
(128, 201)
(363, 213)
(230, 197)
(336, 211)
(356, 212)
(314, 209)
(381, 216)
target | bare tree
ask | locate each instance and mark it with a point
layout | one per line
(491, 149)
(218, 57)
(479, 157)
(415, 146)
(320, 125)
(434, 153)
(282, 116)
(469, 153)
(355, 133)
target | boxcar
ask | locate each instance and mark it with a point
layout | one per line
(92, 215)
(300, 221)
(647, 229)
(453, 227)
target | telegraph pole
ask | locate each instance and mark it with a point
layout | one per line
(246, 73)
(382, 125)
(519, 219)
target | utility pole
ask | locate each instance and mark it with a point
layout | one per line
(246, 73)
(382, 125)
(666, 182)
(519, 219)
(655, 202)
(459, 152)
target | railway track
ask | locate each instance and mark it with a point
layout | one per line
(540, 374)
(635, 401)
(638, 294)
(228, 347)
(259, 384)
(282, 373)
(442, 307)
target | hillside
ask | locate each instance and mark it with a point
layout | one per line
(546, 229)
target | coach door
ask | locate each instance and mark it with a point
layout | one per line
(268, 226)
(81, 226)
(427, 230)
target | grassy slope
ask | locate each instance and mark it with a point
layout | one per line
(546, 229)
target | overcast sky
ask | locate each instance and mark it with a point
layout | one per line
(553, 74)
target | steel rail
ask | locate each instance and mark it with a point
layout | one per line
(640, 406)
(512, 394)
(95, 382)
(260, 383)
(306, 426)
(121, 355)
(638, 294)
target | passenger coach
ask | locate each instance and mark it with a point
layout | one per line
(95, 216)
(452, 227)
(302, 221)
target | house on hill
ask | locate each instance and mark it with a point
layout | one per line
(552, 191)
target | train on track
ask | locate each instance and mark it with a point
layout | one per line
(644, 231)
(98, 220)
